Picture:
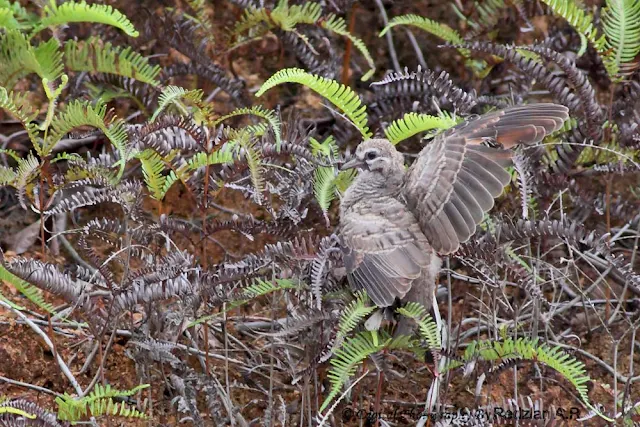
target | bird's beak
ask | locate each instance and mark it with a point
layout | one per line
(353, 163)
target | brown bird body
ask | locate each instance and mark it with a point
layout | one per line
(395, 222)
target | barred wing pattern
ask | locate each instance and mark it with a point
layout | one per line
(383, 248)
(456, 177)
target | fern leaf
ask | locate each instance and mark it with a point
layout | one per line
(16, 411)
(202, 19)
(27, 167)
(92, 56)
(152, 167)
(49, 57)
(8, 21)
(253, 20)
(621, 25)
(81, 113)
(287, 17)
(31, 292)
(7, 175)
(200, 160)
(18, 58)
(260, 288)
(19, 107)
(171, 95)
(256, 169)
(340, 95)
(439, 30)
(347, 358)
(324, 187)
(354, 313)
(344, 180)
(71, 11)
(582, 22)
(259, 111)
(413, 123)
(98, 402)
(428, 328)
(339, 26)
(531, 349)
(327, 148)
(13, 16)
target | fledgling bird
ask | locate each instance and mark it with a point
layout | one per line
(394, 222)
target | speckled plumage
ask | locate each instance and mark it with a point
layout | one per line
(394, 222)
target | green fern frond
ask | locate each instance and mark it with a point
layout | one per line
(253, 20)
(171, 179)
(18, 58)
(439, 30)
(339, 26)
(71, 11)
(198, 7)
(348, 357)
(172, 95)
(606, 153)
(24, 17)
(152, 167)
(489, 13)
(262, 287)
(256, 22)
(8, 19)
(200, 160)
(98, 402)
(92, 55)
(407, 342)
(442, 31)
(19, 107)
(354, 313)
(582, 22)
(340, 95)
(259, 111)
(324, 188)
(413, 123)
(7, 175)
(75, 157)
(327, 148)
(287, 17)
(16, 411)
(15, 156)
(256, 169)
(531, 349)
(27, 168)
(344, 180)
(428, 328)
(80, 113)
(621, 25)
(233, 134)
(31, 292)
(49, 57)
(183, 172)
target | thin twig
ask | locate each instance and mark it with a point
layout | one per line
(389, 37)
(63, 366)
(31, 386)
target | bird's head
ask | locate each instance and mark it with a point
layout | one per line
(378, 156)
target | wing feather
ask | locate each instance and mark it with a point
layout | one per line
(455, 179)
(384, 250)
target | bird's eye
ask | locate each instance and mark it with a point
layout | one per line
(371, 155)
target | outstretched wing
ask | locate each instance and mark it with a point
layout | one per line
(384, 249)
(455, 179)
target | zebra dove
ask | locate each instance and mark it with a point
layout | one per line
(395, 222)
